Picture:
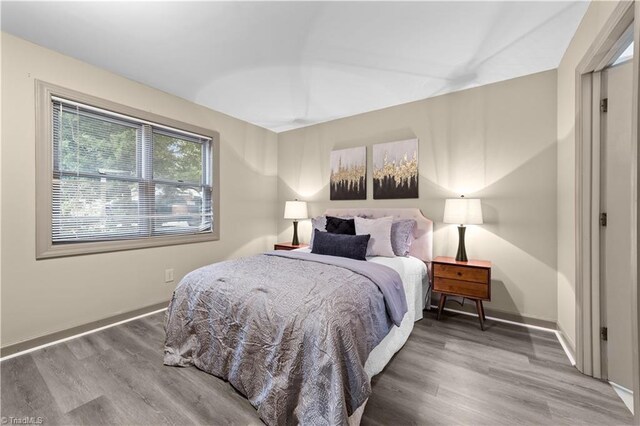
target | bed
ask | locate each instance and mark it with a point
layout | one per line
(287, 333)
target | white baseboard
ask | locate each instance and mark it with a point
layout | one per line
(625, 395)
(521, 324)
(566, 345)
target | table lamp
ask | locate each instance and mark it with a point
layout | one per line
(462, 211)
(295, 210)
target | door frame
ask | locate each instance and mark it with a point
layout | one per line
(587, 201)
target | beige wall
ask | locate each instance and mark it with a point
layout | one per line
(496, 142)
(41, 297)
(593, 21)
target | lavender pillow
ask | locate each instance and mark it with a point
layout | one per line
(319, 223)
(402, 236)
(380, 232)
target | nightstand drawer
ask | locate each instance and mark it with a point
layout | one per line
(478, 275)
(461, 288)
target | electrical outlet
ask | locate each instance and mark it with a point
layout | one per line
(168, 275)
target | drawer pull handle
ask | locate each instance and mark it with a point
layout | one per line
(459, 274)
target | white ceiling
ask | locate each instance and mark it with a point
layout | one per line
(283, 65)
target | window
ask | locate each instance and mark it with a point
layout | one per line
(626, 55)
(622, 50)
(114, 178)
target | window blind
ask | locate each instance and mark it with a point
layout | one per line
(117, 177)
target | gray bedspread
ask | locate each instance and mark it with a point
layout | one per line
(290, 332)
(387, 280)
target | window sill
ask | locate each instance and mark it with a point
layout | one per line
(79, 249)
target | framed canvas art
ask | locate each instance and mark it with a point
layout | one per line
(348, 179)
(395, 170)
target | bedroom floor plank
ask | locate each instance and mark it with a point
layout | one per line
(67, 380)
(24, 390)
(449, 372)
(99, 411)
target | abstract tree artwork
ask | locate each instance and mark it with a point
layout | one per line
(395, 170)
(348, 174)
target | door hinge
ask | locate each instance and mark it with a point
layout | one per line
(604, 333)
(604, 105)
(603, 219)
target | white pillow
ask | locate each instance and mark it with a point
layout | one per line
(380, 231)
(319, 223)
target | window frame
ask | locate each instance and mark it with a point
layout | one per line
(44, 177)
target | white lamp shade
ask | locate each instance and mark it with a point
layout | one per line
(295, 210)
(463, 211)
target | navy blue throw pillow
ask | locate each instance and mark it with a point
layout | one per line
(337, 225)
(351, 246)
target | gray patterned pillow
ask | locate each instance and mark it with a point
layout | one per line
(402, 236)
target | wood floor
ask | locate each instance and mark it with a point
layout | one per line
(449, 372)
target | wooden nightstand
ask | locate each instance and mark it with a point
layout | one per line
(471, 280)
(288, 246)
